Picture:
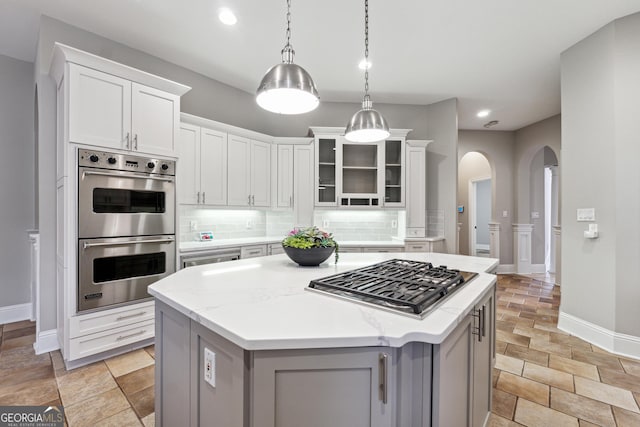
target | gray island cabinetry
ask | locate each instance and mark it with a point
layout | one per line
(247, 346)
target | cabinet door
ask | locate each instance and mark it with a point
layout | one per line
(213, 167)
(284, 196)
(99, 108)
(483, 356)
(416, 160)
(394, 173)
(260, 173)
(188, 167)
(360, 173)
(320, 388)
(154, 120)
(238, 184)
(303, 185)
(452, 382)
(326, 177)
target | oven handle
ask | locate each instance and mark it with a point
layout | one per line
(87, 245)
(157, 178)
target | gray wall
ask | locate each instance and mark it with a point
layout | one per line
(16, 178)
(473, 165)
(442, 165)
(499, 148)
(600, 128)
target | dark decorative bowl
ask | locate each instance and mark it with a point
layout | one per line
(310, 257)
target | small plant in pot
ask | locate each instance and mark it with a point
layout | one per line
(309, 246)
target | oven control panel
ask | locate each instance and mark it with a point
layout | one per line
(125, 162)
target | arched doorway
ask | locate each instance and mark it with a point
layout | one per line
(474, 204)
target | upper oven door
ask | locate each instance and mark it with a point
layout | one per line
(114, 204)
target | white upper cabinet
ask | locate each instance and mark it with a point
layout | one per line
(249, 172)
(284, 178)
(113, 106)
(416, 164)
(202, 171)
(99, 108)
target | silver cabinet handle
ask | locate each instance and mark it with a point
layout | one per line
(249, 200)
(126, 175)
(198, 196)
(126, 138)
(483, 321)
(142, 313)
(87, 245)
(290, 201)
(383, 361)
(135, 142)
(203, 202)
(124, 337)
(481, 318)
(253, 200)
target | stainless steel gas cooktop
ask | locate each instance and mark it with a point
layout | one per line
(413, 288)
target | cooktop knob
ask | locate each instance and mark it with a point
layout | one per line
(94, 158)
(165, 166)
(111, 160)
(151, 165)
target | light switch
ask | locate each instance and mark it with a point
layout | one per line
(535, 215)
(505, 214)
(586, 214)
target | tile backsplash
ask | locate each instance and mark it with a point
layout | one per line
(358, 224)
(225, 224)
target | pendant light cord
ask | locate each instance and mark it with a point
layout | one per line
(287, 51)
(366, 102)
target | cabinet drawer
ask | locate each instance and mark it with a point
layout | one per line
(97, 343)
(352, 249)
(275, 249)
(370, 249)
(108, 319)
(416, 247)
(253, 251)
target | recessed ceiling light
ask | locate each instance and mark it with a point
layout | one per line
(227, 17)
(364, 64)
(483, 113)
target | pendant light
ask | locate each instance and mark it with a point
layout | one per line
(366, 125)
(287, 88)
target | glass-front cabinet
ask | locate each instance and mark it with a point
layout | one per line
(352, 174)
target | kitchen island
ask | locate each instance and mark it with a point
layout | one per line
(245, 344)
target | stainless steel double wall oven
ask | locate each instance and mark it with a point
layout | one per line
(126, 226)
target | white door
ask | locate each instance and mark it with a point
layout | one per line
(285, 177)
(260, 173)
(188, 166)
(238, 184)
(213, 167)
(154, 119)
(99, 108)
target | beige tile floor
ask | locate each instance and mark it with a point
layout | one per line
(543, 376)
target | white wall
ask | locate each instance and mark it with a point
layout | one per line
(16, 178)
(600, 128)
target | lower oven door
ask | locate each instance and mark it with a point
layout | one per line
(117, 271)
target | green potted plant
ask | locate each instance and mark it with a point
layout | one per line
(309, 246)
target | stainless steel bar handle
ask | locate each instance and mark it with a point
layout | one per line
(135, 142)
(87, 245)
(253, 200)
(198, 196)
(249, 200)
(477, 331)
(127, 140)
(128, 175)
(483, 319)
(124, 337)
(383, 360)
(119, 318)
(203, 202)
(290, 201)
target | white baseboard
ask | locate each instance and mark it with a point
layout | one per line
(15, 313)
(46, 341)
(538, 268)
(482, 246)
(613, 342)
(506, 269)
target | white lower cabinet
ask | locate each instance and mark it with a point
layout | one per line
(275, 249)
(104, 330)
(253, 251)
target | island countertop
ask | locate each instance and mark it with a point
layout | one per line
(262, 303)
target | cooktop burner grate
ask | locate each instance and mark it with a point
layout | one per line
(400, 285)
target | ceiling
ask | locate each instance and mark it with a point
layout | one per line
(503, 55)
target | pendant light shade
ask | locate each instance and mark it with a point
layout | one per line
(366, 125)
(287, 88)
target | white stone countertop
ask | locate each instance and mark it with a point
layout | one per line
(262, 303)
(192, 246)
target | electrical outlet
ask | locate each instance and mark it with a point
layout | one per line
(193, 225)
(394, 223)
(505, 214)
(325, 223)
(210, 367)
